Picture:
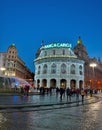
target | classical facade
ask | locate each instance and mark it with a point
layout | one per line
(12, 65)
(92, 66)
(56, 65)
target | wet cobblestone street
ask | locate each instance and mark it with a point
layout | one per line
(83, 117)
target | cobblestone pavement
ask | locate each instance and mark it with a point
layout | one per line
(77, 117)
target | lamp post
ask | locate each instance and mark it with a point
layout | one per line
(93, 65)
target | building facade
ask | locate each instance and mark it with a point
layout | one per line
(56, 65)
(92, 67)
(12, 65)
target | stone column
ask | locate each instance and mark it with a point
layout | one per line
(77, 83)
(68, 83)
(58, 83)
(48, 83)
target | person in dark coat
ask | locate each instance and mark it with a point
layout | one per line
(57, 91)
(91, 92)
(22, 90)
(61, 92)
(68, 93)
(27, 89)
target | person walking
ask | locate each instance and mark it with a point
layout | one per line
(68, 93)
(77, 94)
(82, 95)
(57, 91)
(61, 93)
(91, 92)
(27, 89)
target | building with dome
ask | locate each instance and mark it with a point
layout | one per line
(56, 65)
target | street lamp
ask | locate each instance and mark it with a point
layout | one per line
(93, 65)
(2, 69)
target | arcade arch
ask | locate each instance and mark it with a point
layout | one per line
(63, 83)
(73, 84)
(53, 83)
(44, 83)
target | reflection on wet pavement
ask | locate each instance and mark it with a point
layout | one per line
(82, 117)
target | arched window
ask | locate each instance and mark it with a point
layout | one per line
(72, 69)
(63, 52)
(39, 70)
(53, 68)
(63, 68)
(80, 70)
(53, 52)
(45, 53)
(45, 69)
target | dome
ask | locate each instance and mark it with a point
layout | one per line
(12, 46)
(56, 50)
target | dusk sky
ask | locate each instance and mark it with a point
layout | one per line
(27, 22)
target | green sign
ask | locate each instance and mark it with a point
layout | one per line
(56, 45)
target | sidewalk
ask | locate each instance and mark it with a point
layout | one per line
(35, 100)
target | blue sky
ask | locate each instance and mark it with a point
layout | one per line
(27, 22)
